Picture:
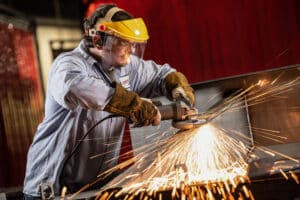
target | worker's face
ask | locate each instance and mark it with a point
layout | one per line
(117, 51)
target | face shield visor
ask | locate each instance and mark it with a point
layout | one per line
(131, 34)
(116, 44)
(117, 51)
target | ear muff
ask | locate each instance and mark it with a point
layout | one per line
(97, 41)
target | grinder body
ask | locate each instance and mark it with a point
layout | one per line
(183, 117)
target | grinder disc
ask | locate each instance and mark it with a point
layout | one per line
(189, 124)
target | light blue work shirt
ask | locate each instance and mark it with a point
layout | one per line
(78, 90)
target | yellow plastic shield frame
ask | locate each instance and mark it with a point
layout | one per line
(133, 30)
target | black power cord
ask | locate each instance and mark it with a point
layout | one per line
(83, 137)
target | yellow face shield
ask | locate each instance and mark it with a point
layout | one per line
(132, 30)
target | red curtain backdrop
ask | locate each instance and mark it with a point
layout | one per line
(209, 39)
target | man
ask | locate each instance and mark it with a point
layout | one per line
(103, 77)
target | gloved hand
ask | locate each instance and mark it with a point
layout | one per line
(130, 105)
(179, 88)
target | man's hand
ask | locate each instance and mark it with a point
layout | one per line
(183, 95)
(128, 104)
(145, 114)
(179, 88)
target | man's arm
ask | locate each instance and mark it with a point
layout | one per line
(71, 86)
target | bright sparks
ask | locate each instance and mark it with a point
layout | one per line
(200, 157)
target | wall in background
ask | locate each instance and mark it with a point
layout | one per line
(23, 44)
(21, 100)
(46, 36)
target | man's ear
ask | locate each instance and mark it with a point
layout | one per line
(97, 42)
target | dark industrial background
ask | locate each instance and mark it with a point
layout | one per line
(207, 40)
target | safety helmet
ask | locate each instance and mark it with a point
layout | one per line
(109, 20)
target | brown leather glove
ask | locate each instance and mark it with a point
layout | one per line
(128, 104)
(178, 87)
